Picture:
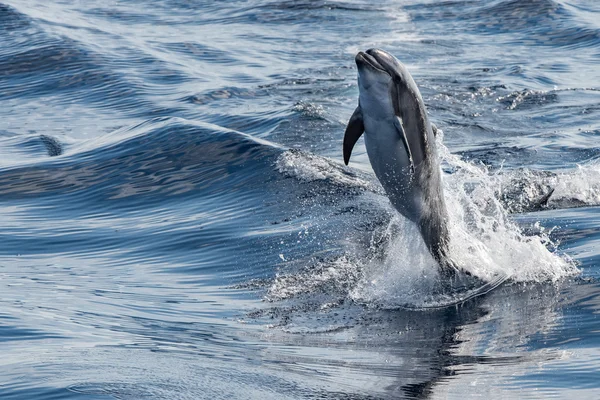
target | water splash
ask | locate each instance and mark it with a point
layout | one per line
(577, 187)
(396, 268)
(309, 167)
(485, 241)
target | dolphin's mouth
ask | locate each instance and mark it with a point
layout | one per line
(365, 59)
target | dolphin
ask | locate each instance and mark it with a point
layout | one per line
(400, 143)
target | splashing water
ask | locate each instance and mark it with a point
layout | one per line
(577, 187)
(397, 268)
(484, 240)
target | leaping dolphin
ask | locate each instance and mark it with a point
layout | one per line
(401, 146)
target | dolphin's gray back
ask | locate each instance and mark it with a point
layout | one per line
(409, 106)
(418, 196)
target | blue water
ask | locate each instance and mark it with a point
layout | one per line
(177, 222)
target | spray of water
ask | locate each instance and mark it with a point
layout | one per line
(577, 187)
(484, 242)
(398, 270)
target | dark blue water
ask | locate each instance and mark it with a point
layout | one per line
(177, 222)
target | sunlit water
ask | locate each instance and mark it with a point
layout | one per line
(177, 222)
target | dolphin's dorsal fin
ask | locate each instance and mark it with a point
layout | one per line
(354, 130)
(402, 134)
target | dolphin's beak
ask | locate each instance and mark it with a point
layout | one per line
(365, 60)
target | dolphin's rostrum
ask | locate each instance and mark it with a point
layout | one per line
(401, 146)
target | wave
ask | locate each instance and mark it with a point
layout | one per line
(11, 20)
(296, 12)
(539, 22)
(334, 208)
(163, 156)
(546, 22)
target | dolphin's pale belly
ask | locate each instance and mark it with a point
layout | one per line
(391, 165)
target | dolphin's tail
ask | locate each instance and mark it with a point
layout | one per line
(454, 279)
(436, 236)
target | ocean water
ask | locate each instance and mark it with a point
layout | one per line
(177, 222)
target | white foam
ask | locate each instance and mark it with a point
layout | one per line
(400, 270)
(336, 275)
(406, 274)
(309, 109)
(580, 186)
(574, 187)
(309, 167)
(484, 241)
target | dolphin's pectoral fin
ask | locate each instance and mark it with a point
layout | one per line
(435, 129)
(402, 134)
(354, 130)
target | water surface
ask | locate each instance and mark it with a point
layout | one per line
(177, 222)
